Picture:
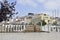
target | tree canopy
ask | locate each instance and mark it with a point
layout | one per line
(54, 23)
(42, 22)
(7, 10)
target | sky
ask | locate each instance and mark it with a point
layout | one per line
(50, 7)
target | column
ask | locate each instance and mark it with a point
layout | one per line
(24, 27)
(14, 27)
(21, 27)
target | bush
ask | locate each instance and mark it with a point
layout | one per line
(43, 23)
(55, 23)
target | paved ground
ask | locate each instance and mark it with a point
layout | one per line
(30, 36)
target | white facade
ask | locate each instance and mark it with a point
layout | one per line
(51, 28)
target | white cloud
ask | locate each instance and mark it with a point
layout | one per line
(41, 1)
(52, 4)
(27, 2)
(48, 4)
(0, 0)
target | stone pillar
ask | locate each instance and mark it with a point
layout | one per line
(9, 28)
(5, 28)
(21, 27)
(16, 27)
(24, 27)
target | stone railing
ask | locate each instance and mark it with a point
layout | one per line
(12, 28)
(19, 28)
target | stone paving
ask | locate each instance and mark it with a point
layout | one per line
(30, 36)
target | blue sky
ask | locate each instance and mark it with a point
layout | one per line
(49, 7)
